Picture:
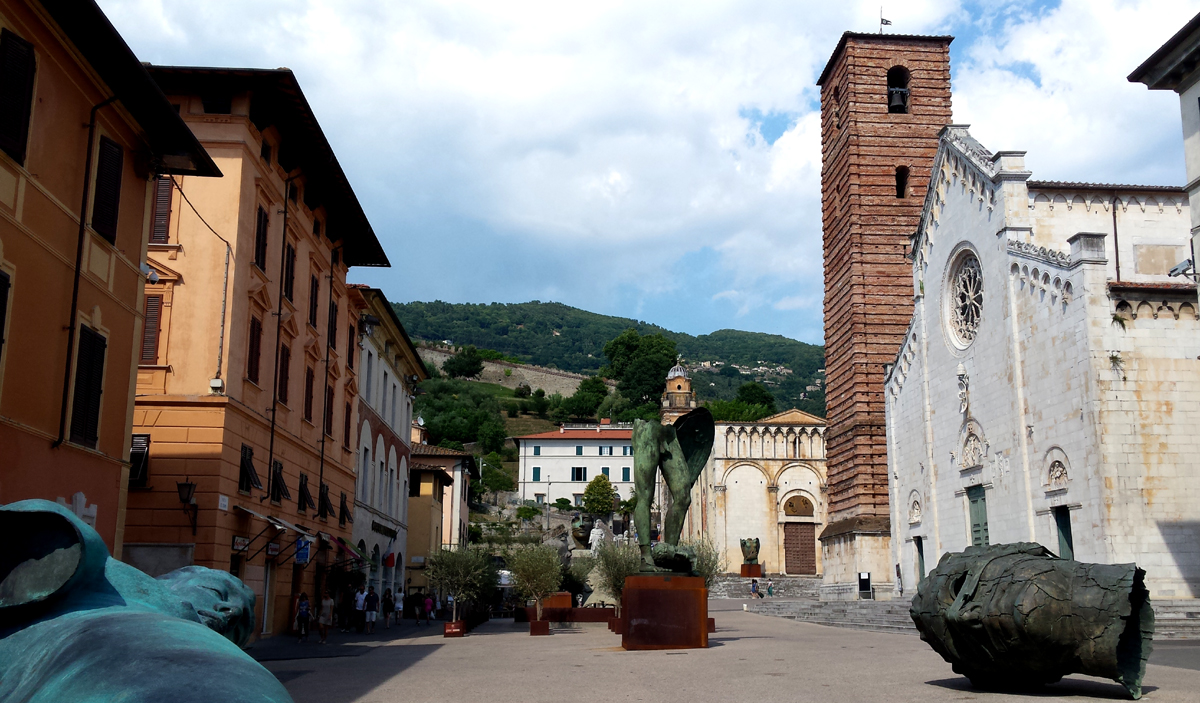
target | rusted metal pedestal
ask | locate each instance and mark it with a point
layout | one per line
(751, 571)
(664, 612)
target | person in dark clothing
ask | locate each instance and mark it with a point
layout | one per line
(303, 615)
(371, 609)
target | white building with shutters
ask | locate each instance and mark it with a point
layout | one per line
(559, 464)
(1048, 387)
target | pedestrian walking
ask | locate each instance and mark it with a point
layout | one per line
(303, 614)
(386, 607)
(754, 589)
(428, 609)
(770, 587)
(370, 609)
(360, 609)
(326, 617)
(346, 612)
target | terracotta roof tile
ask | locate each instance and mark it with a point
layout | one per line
(434, 450)
(581, 434)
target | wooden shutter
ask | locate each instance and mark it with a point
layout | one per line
(5, 284)
(249, 477)
(333, 315)
(329, 410)
(350, 348)
(260, 239)
(139, 461)
(314, 290)
(285, 368)
(309, 378)
(16, 94)
(255, 351)
(346, 429)
(289, 273)
(162, 210)
(106, 199)
(89, 379)
(150, 332)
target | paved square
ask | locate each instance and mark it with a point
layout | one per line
(751, 658)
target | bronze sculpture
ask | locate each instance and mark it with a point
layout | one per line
(750, 550)
(1015, 615)
(680, 451)
(77, 625)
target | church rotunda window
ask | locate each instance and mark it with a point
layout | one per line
(966, 298)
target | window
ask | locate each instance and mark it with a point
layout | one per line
(977, 500)
(89, 381)
(106, 198)
(604, 470)
(901, 181)
(394, 395)
(309, 380)
(539, 498)
(919, 546)
(255, 351)
(966, 298)
(578, 473)
(150, 330)
(897, 92)
(383, 396)
(324, 504)
(625, 473)
(578, 451)
(217, 104)
(606, 451)
(346, 427)
(578, 500)
(626, 450)
(248, 478)
(17, 66)
(314, 293)
(261, 224)
(344, 515)
(537, 451)
(328, 410)
(161, 219)
(363, 492)
(350, 347)
(139, 461)
(293, 192)
(305, 500)
(279, 489)
(1062, 520)
(333, 315)
(285, 372)
(317, 227)
(5, 285)
(537, 473)
(265, 152)
(367, 388)
(289, 273)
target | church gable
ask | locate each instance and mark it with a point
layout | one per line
(792, 417)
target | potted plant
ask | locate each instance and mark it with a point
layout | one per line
(536, 573)
(464, 574)
(614, 563)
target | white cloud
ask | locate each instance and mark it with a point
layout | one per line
(597, 153)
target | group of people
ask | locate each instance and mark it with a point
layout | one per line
(756, 592)
(360, 611)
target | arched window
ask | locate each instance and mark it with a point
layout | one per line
(901, 181)
(897, 94)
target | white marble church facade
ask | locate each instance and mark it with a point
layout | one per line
(765, 479)
(1048, 388)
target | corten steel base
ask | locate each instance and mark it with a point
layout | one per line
(664, 612)
(751, 571)
(456, 628)
(539, 627)
(712, 625)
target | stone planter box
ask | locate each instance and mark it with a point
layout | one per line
(457, 628)
(539, 627)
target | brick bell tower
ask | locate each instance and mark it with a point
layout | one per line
(884, 98)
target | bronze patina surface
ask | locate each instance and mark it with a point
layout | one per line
(750, 549)
(1015, 615)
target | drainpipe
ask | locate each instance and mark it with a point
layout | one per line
(287, 184)
(1116, 242)
(83, 213)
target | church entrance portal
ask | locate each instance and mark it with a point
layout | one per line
(800, 548)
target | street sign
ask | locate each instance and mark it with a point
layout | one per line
(302, 547)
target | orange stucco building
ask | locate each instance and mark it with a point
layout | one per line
(247, 383)
(84, 132)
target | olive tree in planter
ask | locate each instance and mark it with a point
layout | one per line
(536, 572)
(615, 562)
(708, 562)
(464, 574)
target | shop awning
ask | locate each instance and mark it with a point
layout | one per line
(255, 513)
(350, 548)
(289, 526)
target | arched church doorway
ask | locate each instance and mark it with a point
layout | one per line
(799, 538)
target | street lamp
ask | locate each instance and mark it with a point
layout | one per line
(187, 496)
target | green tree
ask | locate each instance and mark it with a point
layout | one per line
(468, 363)
(563, 505)
(614, 563)
(457, 410)
(640, 363)
(493, 476)
(536, 572)
(432, 369)
(755, 393)
(598, 496)
(737, 411)
(526, 513)
(587, 398)
(466, 573)
(709, 562)
(492, 435)
(451, 444)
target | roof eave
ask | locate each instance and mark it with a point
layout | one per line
(846, 36)
(1160, 71)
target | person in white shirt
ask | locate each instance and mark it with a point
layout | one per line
(360, 608)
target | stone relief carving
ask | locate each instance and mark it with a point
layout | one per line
(964, 391)
(1058, 474)
(972, 452)
(914, 509)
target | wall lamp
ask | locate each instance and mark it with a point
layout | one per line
(187, 496)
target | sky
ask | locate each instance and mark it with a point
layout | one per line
(659, 161)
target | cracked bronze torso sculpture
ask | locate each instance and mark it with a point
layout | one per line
(680, 451)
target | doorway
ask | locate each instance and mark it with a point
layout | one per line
(268, 595)
(800, 548)
(977, 500)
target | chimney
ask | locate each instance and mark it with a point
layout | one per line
(606, 421)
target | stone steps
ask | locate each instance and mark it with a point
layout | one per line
(1176, 619)
(734, 586)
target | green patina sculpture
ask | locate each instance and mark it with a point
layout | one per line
(1015, 615)
(680, 451)
(77, 625)
(750, 549)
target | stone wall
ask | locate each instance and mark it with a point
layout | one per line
(550, 380)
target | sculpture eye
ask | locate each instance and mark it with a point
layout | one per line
(957, 585)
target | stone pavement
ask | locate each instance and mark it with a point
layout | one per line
(751, 658)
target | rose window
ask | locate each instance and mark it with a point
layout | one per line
(966, 303)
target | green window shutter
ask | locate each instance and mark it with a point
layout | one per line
(537, 473)
(106, 199)
(17, 66)
(624, 473)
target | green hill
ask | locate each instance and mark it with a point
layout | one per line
(570, 339)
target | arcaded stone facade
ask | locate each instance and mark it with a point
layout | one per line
(883, 100)
(1047, 387)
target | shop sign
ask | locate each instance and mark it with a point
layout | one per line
(302, 550)
(240, 544)
(273, 549)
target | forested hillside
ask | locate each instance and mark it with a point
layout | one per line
(567, 338)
